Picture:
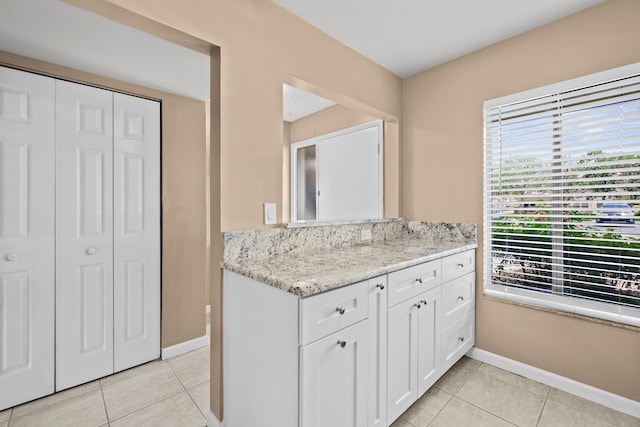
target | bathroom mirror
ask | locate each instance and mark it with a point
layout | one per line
(333, 157)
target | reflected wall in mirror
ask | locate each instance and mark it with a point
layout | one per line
(333, 160)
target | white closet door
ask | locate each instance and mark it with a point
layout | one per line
(136, 231)
(84, 234)
(26, 236)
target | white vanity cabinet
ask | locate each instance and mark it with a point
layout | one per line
(334, 357)
(334, 380)
(315, 362)
(355, 356)
(430, 325)
(413, 338)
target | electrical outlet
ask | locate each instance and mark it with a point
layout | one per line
(365, 234)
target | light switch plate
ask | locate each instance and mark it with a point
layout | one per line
(269, 213)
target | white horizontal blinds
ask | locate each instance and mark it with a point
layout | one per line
(555, 166)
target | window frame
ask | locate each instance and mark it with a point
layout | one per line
(594, 309)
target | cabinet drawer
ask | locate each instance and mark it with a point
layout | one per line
(323, 314)
(457, 339)
(412, 281)
(457, 265)
(458, 297)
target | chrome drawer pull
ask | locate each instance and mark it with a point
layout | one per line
(460, 298)
(461, 339)
(12, 257)
(417, 305)
(461, 265)
(419, 280)
(424, 302)
(342, 343)
(380, 286)
(341, 310)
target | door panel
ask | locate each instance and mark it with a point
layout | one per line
(136, 231)
(26, 236)
(402, 339)
(84, 234)
(349, 172)
(429, 331)
(378, 354)
(334, 386)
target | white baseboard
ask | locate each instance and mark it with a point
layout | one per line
(585, 391)
(212, 421)
(185, 347)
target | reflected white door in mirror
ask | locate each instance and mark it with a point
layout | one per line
(338, 176)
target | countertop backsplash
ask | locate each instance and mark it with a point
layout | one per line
(259, 244)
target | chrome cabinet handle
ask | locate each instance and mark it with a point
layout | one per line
(91, 251)
(460, 298)
(12, 257)
(342, 343)
(460, 264)
(341, 310)
(380, 286)
(461, 339)
(417, 305)
(423, 302)
(419, 280)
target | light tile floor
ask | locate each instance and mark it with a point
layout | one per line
(175, 392)
(172, 392)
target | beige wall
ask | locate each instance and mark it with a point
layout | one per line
(334, 118)
(257, 54)
(442, 171)
(183, 202)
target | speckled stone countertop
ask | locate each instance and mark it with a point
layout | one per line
(319, 269)
(309, 273)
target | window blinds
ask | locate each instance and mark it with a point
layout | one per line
(562, 193)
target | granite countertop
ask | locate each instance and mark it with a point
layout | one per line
(312, 272)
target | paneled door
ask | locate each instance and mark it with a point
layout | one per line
(84, 234)
(334, 373)
(402, 350)
(429, 331)
(136, 231)
(27, 149)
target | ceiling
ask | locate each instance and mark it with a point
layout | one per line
(409, 36)
(297, 103)
(53, 31)
(404, 36)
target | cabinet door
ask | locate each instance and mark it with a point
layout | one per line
(333, 377)
(84, 234)
(402, 350)
(27, 150)
(378, 353)
(136, 229)
(429, 331)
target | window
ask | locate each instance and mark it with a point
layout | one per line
(562, 196)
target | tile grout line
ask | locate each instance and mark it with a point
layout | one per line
(151, 404)
(187, 391)
(476, 406)
(104, 402)
(546, 398)
(441, 409)
(505, 382)
(451, 396)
